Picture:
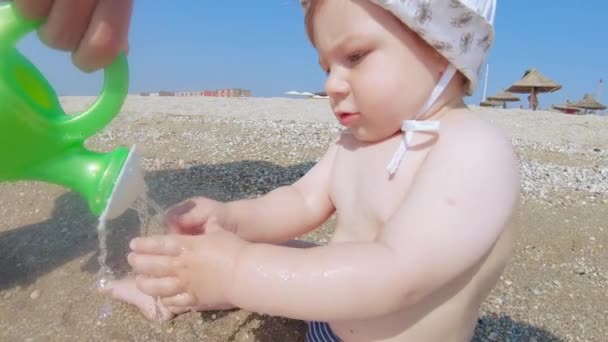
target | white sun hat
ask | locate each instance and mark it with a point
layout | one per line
(460, 30)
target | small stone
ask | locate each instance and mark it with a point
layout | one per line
(493, 336)
(35, 294)
(536, 292)
(557, 283)
(532, 339)
(6, 295)
(170, 330)
(580, 270)
(592, 238)
(508, 282)
(213, 317)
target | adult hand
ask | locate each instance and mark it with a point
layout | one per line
(95, 31)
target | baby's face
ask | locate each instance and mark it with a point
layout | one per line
(379, 72)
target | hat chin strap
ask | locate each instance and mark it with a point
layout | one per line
(411, 126)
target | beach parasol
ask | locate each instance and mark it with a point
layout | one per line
(588, 102)
(490, 103)
(533, 82)
(504, 97)
(567, 107)
(297, 93)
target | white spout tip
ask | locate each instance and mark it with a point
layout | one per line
(129, 185)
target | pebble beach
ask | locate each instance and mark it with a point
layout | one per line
(554, 289)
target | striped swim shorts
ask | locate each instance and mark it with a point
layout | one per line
(320, 332)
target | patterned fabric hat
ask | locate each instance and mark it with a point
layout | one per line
(461, 30)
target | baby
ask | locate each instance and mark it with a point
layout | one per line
(423, 191)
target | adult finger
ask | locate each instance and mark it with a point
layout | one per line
(106, 36)
(34, 9)
(67, 23)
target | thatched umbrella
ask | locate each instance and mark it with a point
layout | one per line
(567, 108)
(490, 103)
(533, 82)
(504, 97)
(588, 102)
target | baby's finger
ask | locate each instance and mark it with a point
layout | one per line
(158, 245)
(212, 226)
(106, 36)
(178, 310)
(162, 287)
(182, 219)
(152, 265)
(179, 300)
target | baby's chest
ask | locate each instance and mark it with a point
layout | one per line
(364, 195)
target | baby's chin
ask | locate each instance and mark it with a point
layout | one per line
(368, 137)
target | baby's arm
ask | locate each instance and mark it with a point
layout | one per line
(289, 211)
(453, 214)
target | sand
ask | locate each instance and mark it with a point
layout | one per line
(555, 288)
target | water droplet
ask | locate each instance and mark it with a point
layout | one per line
(105, 311)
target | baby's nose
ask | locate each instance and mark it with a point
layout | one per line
(336, 86)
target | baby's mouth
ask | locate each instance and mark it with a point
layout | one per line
(347, 119)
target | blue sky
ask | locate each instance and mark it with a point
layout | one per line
(261, 45)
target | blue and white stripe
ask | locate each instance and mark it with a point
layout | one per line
(320, 332)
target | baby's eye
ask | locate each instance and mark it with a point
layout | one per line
(356, 56)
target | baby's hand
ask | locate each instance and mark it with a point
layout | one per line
(188, 271)
(192, 216)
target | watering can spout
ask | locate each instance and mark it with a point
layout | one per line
(91, 174)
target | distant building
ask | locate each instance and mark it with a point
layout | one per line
(234, 92)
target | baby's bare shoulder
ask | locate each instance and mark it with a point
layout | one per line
(468, 134)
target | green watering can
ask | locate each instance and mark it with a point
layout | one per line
(40, 142)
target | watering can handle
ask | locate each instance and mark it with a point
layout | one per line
(115, 87)
(107, 105)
